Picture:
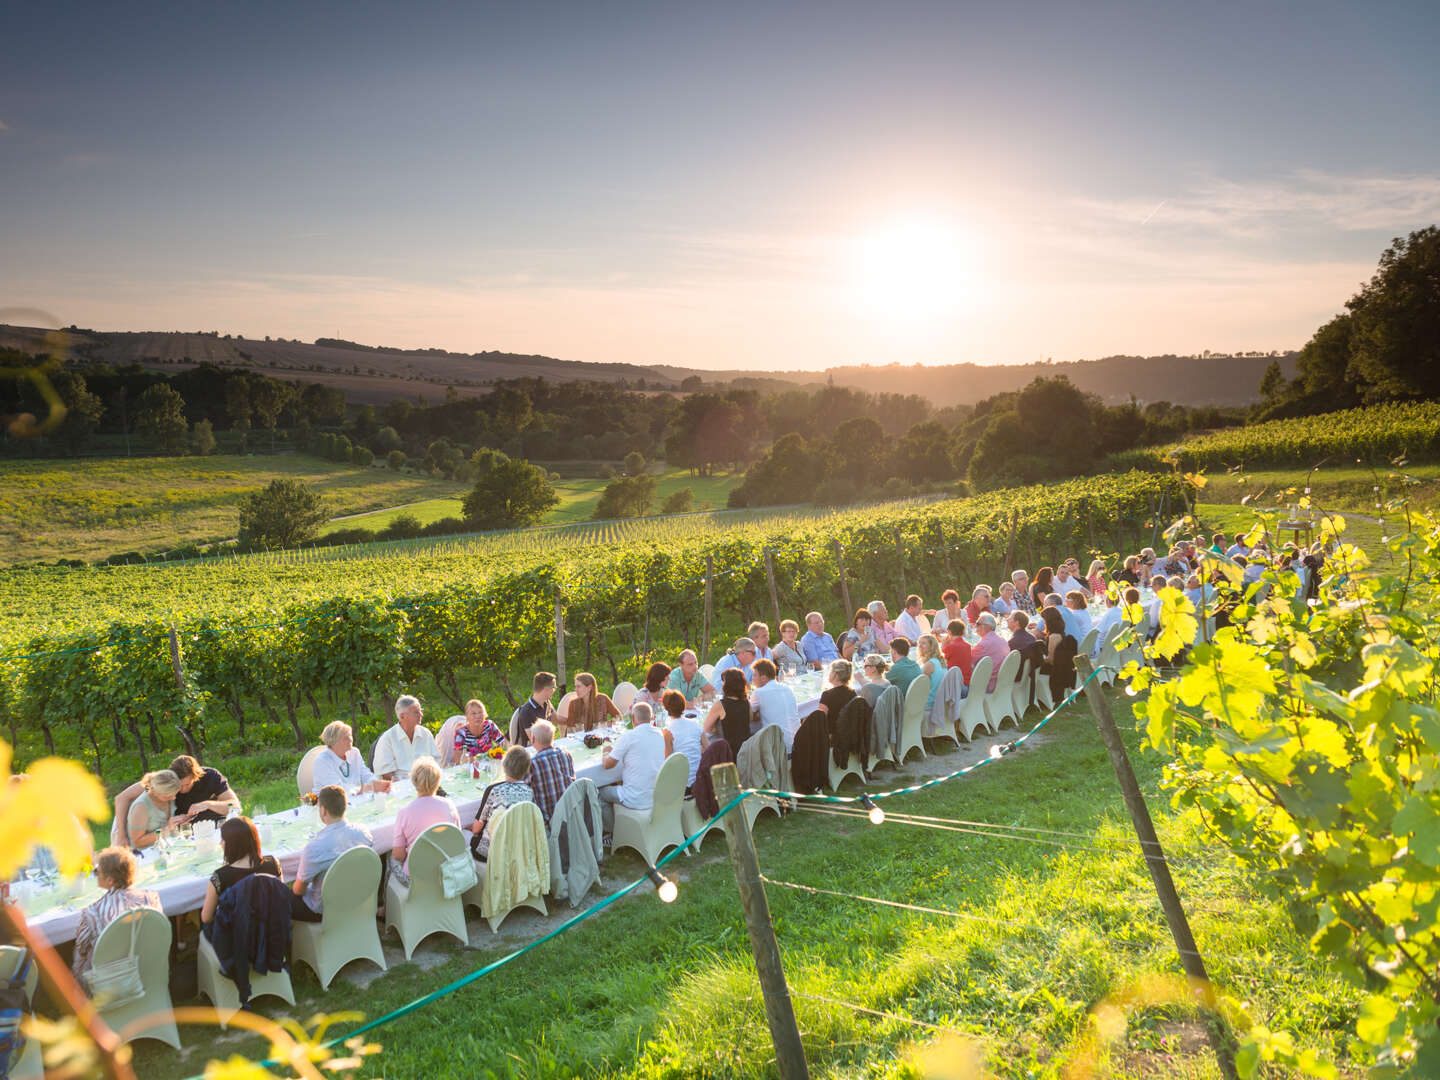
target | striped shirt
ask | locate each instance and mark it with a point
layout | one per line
(101, 914)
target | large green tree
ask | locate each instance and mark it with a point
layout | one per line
(160, 419)
(625, 497)
(1395, 346)
(508, 495)
(286, 513)
(82, 410)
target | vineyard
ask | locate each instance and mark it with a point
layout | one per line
(272, 645)
(1375, 436)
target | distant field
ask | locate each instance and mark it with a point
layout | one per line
(89, 509)
(578, 499)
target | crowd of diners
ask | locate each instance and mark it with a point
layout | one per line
(679, 708)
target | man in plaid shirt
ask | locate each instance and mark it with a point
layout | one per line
(551, 770)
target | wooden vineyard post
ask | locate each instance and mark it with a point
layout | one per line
(844, 583)
(784, 1033)
(1010, 548)
(175, 661)
(709, 604)
(770, 577)
(900, 559)
(559, 641)
(1154, 856)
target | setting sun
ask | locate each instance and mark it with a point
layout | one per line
(915, 270)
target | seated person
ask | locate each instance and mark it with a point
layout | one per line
(511, 789)
(875, 681)
(771, 702)
(903, 670)
(1020, 636)
(538, 707)
(552, 769)
(682, 733)
(478, 735)
(880, 624)
(425, 810)
(152, 814)
(838, 692)
(589, 708)
(341, 764)
(205, 795)
(336, 836)
(788, 653)
(818, 646)
(1076, 614)
(404, 741)
(759, 633)
(730, 718)
(687, 679)
(114, 872)
(907, 623)
(1004, 604)
(991, 644)
(638, 754)
(932, 663)
(741, 656)
(979, 603)
(859, 640)
(655, 682)
(240, 848)
(951, 609)
(957, 653)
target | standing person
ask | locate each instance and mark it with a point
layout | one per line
(818, 646)
(336, 836)
(552, 769)
(682, 734)
(478, 735)
(688, 680)
(114, 873)
(425, 810)
(589, 708)
(771, 702)
(957, 653)
(880, 624)
(542, 689)
(907, 623)
(730, 718)
(407, 739)
(638, 754)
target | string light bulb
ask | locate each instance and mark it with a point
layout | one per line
(666, 889)
(877, 816)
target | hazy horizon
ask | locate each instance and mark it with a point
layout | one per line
(821, 185)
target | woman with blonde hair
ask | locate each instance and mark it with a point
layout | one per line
(1095, 577)
(340, 763)
(424, 810)
(589, 708)
(932, 663)
(875, 682)
(150, 814)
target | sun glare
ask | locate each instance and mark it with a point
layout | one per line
(915, 270)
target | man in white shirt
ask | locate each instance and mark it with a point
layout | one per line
(1066, 579)
(638, 753)
(908, 622)
(399, 746)
(773, 703)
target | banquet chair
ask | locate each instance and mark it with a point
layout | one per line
(347, 930)
(221, 990)
(624, 697)
(923, 621)
(706, 670)
(563, 710)
(914, 719)
(421, 908)
(152, 937)
(445, 740)
(651, 831)
(519, 880)
(1087, 643)
(1109, 659)
(972, 708)
(941, 722)
(692, 821)
(768, 742)
(305, 774)
(28, 1066)
(1000, 703)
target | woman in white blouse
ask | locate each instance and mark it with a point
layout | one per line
(341, 764)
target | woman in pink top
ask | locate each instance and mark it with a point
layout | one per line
(412, 820)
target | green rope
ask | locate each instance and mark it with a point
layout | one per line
(948, 776)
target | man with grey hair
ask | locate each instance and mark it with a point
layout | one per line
(638, 754)
(399, 746)
(741, 655)
(1023, 600)
(990, 644)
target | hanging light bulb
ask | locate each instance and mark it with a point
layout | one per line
(995, 750)
(877, 816)
(666, 889)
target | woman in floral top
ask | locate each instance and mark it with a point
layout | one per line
(507, 792)
(478, 735)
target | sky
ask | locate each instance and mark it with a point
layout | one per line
(736, 185)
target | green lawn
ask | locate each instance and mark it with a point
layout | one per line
(1047, 930)
(1342, 488)
(89, 509)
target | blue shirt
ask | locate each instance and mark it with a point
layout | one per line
(1077, 623)
(728, 661)
(819, 646)
(321, 852)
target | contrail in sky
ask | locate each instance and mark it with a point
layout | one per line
(1152, 213)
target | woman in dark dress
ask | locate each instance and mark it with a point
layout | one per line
(838, 694)
(1060, 650)
(731, 714)
(1043, 586)
(240, 846)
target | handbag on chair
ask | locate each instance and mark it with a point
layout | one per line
(117, 982)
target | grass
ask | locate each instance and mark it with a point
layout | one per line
(1051, 930)
(89, 509)
(1349, 488)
